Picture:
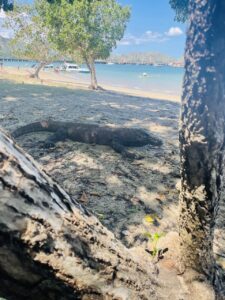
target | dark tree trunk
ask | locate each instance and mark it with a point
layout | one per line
(94, 83)
(91, 66)
(52, 248)
(37, 71)
(202, 136)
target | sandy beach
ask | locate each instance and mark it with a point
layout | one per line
(113, 186)
(120, 192)
(51, 78)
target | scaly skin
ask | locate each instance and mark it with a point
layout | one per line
(117, 138)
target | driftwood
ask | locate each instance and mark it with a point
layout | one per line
(117, 138)
(52, 248)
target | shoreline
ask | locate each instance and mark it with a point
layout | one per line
(51, 78)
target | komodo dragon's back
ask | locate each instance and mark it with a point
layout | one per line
(117, 138)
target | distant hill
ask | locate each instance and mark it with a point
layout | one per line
(147, 58)
(142, 58)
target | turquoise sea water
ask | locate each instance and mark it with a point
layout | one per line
(159, 79)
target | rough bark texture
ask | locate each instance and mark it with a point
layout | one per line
(118, 138)
(202, 136)
(52, 248)
(91, 66)
(94, 83)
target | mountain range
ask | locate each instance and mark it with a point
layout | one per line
(147, 58)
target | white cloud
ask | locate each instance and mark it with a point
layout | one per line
(6, 33)
(174, 31)
(150, 37)
(2, 14)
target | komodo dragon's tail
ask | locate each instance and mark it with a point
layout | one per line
(33, 127)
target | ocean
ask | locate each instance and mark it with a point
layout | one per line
(155, 79)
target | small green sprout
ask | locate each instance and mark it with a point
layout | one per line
(101, 217)
(154, 238)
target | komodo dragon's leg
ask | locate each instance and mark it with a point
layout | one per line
(59, 135)
(116, 146)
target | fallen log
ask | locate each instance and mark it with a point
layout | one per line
(53, 248)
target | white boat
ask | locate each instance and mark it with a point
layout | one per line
(110, 63)
(73, 67)
(143, 75)
(50, 66)
(83, 70)
(68, 67)
(158, 65)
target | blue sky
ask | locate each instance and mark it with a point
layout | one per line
(151, 28)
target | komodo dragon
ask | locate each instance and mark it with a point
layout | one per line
(117, 138)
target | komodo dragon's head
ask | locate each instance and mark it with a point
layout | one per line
(139, 137)
(145, 138)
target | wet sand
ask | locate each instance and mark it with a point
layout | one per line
(120, 192)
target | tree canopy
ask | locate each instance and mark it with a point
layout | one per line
(6, 5)
(30, 39)
(180, 6)
(93, 27)
(90, 28)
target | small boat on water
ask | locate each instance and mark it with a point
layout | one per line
(73, 67)
(68, 67)
(159, 65)
(83, 70)
(110, 63)
(50, 66)
(144, 74)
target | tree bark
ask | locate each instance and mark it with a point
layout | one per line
(91, 66)
(202, 136)
(94, 83)
(52, 248)
(37, 71)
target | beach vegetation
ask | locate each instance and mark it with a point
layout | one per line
(30, 37)
(89, 29)
(154, 239)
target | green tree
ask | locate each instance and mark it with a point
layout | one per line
(89, 28)
(7, 5)
(30, 39)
